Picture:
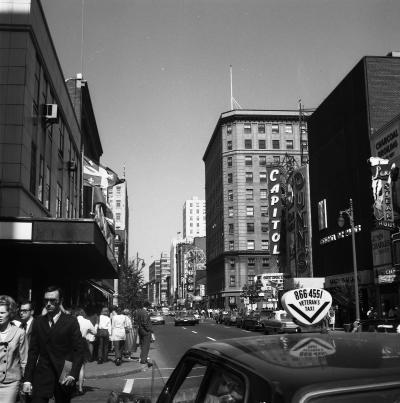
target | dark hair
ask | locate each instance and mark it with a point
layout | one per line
(10, 304)
(52, 288)
(26, 302)
(118, 310)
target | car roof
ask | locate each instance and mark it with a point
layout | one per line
(296, 361)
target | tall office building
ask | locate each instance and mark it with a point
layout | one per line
(243, 144)
(194, 218)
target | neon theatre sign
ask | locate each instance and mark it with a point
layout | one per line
(275, 209)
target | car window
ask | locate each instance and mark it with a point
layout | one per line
(189, 388)
(224, 386)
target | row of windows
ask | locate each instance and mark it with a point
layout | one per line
(248, 160)
(262, 144)
(275, 128)
(251, 262)
(249, 177)
(250, 227)
(250, 211)
(251, 244)
(263, 194)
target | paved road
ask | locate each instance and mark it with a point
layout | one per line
(171, 342)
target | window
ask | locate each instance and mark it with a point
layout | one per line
(230, 211)
(263, 194)
(250, 211)
(251, 262)
(262, 144)
(276, 159)
(265, 261)
(288, 129)
(230, 194)
(232, 262)
(118, 217)
(248, 144)
(250, 245)
(228, 129)
(248, 160)
(264, 211)
(59, 201)
(61, 139)
(197, 211)
(247, 128)
(289, 144)
(230, 229)
(230, 178)
(263, 177)
(249, 194)
(304, 159)
(249, 177)
(191, 384)
(304, 145)
(250, 279)
(231, 245)
(41, 179)
(275, 128)
(47, 188)
(32, 182)
(67, 208)
(264, 227)
(250, 227)
(229, 145)
(275, 144)
(262, 160)
(118, 190)
(261, 128)
(229, 161)
(232, 280)
(118, 203)
(264, 244)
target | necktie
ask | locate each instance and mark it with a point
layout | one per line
(23, 326)
(51, 322)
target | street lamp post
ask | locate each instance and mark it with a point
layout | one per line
(350, 213)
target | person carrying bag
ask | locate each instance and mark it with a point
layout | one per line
(103, 335)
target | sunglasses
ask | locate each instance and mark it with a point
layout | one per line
(52, 301)
(25, 310)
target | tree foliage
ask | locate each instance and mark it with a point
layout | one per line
(131, 283)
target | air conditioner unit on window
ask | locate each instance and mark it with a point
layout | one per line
(50, 112)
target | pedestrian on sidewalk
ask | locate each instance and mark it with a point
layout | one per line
(86, 329)
(56, 344)
(13, 352)
(118, 334)
(103, 331)
(130, 340)
(145, 330)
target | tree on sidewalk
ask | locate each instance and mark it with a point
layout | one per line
(131, 282)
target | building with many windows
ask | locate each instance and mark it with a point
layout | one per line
(243, 144)
(194, 218)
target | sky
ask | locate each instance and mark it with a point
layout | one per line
(158, 74)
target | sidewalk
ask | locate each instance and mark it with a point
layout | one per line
(110, 370)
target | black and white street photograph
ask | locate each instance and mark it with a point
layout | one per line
(199, 201)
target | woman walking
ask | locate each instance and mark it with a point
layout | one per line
(118, 334)
(130, 342)
(13, 351)
(103, 335)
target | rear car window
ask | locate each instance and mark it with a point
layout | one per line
(189, 388)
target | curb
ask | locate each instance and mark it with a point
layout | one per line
(114, 374)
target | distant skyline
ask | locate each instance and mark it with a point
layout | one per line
(158, 74)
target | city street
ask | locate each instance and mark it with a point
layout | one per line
(171, 342)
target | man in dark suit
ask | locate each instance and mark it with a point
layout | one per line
(55, 340)
(26, 312)
(145, 330)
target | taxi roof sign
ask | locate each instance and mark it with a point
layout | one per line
(307, 305)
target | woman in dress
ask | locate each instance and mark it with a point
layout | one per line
(118, 334)
(87, 329)
(13, 351)
(130, 342)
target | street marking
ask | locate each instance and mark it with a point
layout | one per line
(194, 331)
(183, 327)
(226, 327)
(211, 338)
(128, 386)
(247, 331)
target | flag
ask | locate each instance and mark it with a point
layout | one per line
(98, 175)
(113, 178)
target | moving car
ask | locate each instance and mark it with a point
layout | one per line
(253, 320)
(157, 318)
(336, 367)
(185, 318)
(279, 322)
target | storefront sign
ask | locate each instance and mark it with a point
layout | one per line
(275, 209)
(387, 275)
(270, 280)
(308, 305)
(381, 248)
(339, 235)
(339, 280)
(387, 145)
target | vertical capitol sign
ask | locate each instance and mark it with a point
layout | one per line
(275, 208)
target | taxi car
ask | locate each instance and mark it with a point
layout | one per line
(157, 318)
(336, 367)
(184, 318)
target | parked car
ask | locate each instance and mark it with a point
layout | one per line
(382, 325)
(231, 318)
(221, 316)
(184, 318)
(253, 320)
(334, 367)
(196, 315)
(157, 318)
(279, 322)
(240, 318)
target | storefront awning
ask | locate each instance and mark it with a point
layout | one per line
(107, 292)
(74, 247)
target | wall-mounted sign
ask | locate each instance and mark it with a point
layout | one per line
(387, 275)
(387, 144)
(308, 305)
(381, 248)
(339, 235)
(275, 209)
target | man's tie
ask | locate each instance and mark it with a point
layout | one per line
(23, 325)
(51, 322)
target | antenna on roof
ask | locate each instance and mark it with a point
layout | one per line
(82, 33)
(234, 104)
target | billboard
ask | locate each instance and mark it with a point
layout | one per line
(275, 208)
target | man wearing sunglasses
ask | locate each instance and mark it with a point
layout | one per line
(26, 312)
(55, 353)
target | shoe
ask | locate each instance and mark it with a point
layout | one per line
(117, 362)
(149, 364)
